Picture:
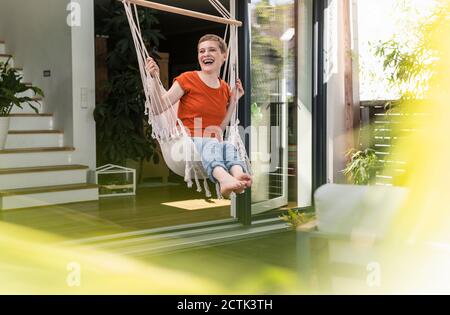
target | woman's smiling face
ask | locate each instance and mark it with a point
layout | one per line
(210, 57)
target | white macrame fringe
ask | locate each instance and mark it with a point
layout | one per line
(218, 193)
(207, 191)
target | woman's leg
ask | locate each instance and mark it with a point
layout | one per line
(235, 165)
(212, 154)
(231, 157)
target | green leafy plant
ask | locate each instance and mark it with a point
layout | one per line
(267, 56)
(120, 120)
(410, 66)
(10, 87)
(362, 167)
(257, 114)
(296, 218)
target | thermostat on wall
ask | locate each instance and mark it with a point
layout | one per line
(47, 73)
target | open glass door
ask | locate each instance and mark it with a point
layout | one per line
(273, 56)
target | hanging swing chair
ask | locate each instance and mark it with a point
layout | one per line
(178, 149)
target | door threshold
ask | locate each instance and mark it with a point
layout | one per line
(144, 243)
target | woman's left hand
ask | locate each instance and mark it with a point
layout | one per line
(238, 91)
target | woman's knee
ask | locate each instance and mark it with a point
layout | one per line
(212, 150)
(231, 152)
(228, 144)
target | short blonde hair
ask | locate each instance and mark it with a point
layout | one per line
(215, 38)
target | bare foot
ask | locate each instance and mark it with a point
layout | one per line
(238, 173)
(244, 177)
(230, 185)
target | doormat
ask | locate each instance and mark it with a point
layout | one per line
(199, 204)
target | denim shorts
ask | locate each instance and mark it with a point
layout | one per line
(217, 154)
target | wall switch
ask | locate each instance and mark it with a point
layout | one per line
(84, 98)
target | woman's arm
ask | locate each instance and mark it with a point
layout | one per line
(172, 96)
(226, 120)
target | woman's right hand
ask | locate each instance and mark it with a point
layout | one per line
(152, 67)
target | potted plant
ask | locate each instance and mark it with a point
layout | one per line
(120, 118)
(362, 167)
(296, 218)
(11, 89)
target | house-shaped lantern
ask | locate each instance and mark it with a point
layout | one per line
(115, 180)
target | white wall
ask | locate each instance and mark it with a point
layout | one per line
(39, 39)
(83, 85)
(38, 36)
(334, 76)
(356, 52)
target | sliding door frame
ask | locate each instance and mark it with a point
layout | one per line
(319, 105)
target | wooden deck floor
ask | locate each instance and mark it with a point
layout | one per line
(117, 214)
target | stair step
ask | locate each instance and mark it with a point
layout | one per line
(36, 169)
(26, 109)
(18, 139)
(28, 93)
(34, 150)
(26, 177)
(31, 121)
(31, 115)
(12, 158)
(48, 195)
(45, 189)
(26, 132)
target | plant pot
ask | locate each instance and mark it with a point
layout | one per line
(4, 127)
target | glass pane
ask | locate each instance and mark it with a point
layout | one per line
(273, 89)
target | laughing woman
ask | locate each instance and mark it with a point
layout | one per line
(205, 106)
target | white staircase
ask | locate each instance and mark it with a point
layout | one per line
(36, 168)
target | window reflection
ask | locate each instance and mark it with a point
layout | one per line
(273, 52)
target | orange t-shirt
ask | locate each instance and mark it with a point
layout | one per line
(201, 101)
